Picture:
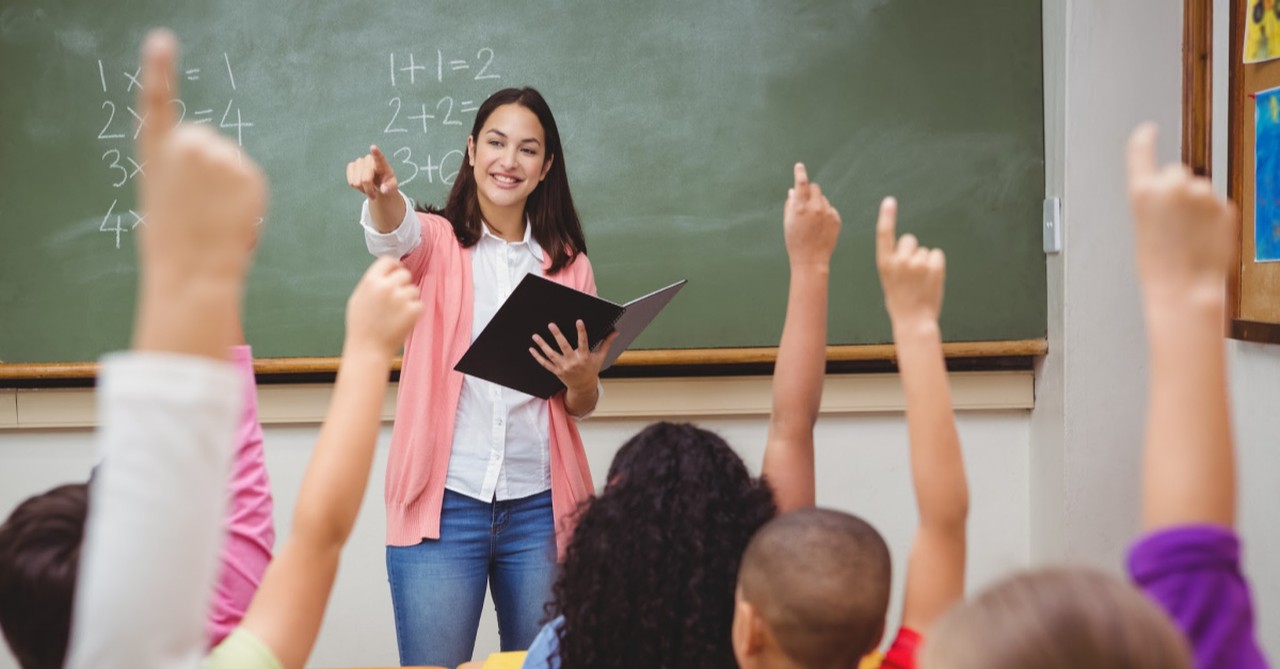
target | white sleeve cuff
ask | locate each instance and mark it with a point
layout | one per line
(397, 243)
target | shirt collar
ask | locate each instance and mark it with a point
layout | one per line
(528, 240)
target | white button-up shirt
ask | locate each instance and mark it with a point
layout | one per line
(501, 446)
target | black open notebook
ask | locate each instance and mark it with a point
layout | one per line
(501, 353)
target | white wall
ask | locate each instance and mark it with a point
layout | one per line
(862, 468)
(1255, 388)
(1109, 65)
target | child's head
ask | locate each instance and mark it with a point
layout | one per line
(649, 575)
(514, 159)
(1056, 619)
(813, 589)
(39, 557)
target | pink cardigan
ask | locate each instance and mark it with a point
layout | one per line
(429, 390)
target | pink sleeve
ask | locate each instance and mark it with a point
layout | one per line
(433, 226)
(588, 274)
(249, 523)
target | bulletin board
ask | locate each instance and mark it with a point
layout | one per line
(1253, 165)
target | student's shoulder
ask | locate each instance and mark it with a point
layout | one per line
(544, 652)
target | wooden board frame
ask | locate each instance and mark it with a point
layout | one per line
(1019, 354)
(1253, 310)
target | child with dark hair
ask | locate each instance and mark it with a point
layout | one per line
(649, 575)
(1188, 562)
(814, 587)
(812, 592)
(39, 553)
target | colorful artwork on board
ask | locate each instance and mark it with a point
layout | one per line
(1266, 176)
(1261, 30)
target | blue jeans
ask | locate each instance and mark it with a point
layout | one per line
(437, 586)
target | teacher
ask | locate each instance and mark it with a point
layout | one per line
(481, 479)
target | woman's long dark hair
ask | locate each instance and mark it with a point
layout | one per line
(649, 575)
(550, 208)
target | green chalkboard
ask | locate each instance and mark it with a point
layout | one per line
(680, 120)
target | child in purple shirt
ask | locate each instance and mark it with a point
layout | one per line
(1192, 606)
(1193, 573)
(1189, 560)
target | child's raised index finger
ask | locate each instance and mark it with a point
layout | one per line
(802, 182)
(1141, 152)
(886, 227)
(159, 53)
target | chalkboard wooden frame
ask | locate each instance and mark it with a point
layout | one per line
(702, 360)
(687, 360)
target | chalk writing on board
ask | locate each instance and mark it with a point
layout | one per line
(405, 68)
(434, 94)
(445, 111)
(121, 167)
(445, 171)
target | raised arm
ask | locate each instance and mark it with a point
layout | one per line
(811, 227)
(1184, 237)
(1189, 560)
(373, 176)
(287, 611)
(912, 279)
(168, 409)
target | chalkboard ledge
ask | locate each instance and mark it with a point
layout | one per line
(963, 356)
(635, 399)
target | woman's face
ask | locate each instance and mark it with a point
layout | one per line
(509, 157)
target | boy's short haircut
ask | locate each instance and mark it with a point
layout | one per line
(39, 557)
(820, 580)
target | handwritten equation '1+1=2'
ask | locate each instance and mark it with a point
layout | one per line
(413, 115)
(121, 125)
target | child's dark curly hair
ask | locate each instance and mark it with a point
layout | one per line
(649, 575)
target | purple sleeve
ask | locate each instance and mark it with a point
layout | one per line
(1193, 573)
(249, 523)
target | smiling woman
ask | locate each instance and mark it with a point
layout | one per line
(481, 477)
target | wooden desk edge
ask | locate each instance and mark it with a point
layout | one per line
(671, 357)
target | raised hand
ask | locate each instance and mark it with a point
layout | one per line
(1184, 234)
(577, 368)
(202, 200)
(810, 225)
(383, 308)
(910, 275)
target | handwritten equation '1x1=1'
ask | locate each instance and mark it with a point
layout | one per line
(121, 166)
